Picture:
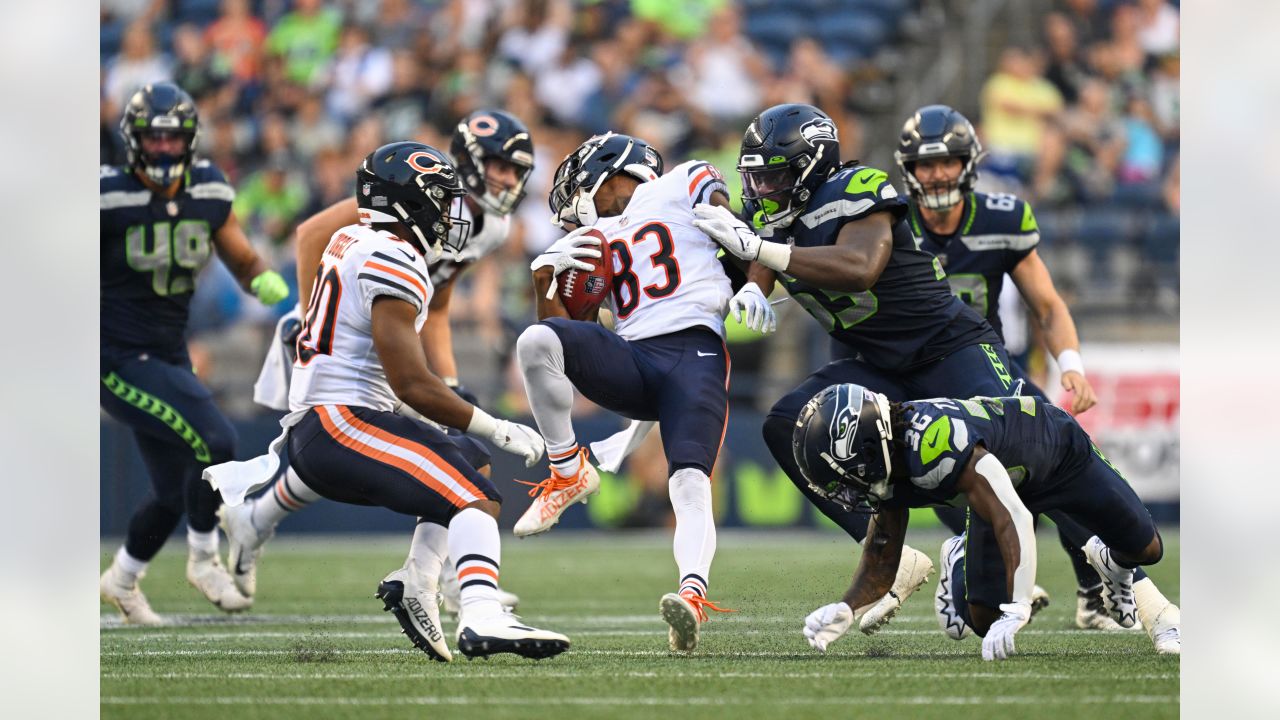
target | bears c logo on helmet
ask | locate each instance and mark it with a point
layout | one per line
(483, 125)
(415, 162)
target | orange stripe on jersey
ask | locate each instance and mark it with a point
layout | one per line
(373, 453)
(693, 185)
(402, 275)
(477, 570)
(435, 460)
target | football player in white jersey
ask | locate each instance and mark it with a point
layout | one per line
(493, 153)
(666, 360)
(360, 356)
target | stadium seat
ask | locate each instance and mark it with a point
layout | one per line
(110, 35)
(198, 12)
(1104, 228)
(866, 30)
(1160, 241)
(775, 28)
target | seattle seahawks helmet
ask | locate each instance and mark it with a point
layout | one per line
(937, 131)
(160, 108)
(414, 184)
(492, 134)
(787, 153)
(583, 171)
(842, 444)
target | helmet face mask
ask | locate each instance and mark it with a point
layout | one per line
(937, 132)
(582, 173)
(485, 136)
(788, 151)
(842, 444)
(414, 185)
(160, 110)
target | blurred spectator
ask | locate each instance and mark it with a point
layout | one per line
(1143, 157)
(138, 64)
(195, 71)
(404, 107)
(1087, 19)
(1164, 94)
(1129, 55)
(313, 130)
(331, 181)
(618, 79)
(1085, 155)
(537, 34)
(128, 11)
(1065, 68)
(727, 71)
(1157, 26)
(268, 202)
(563, 85)
(361, 73)
(398, 24)
(1017, 103)
(237, 38)
(1172, 189)
(681, 19)
(306, 38)
(661, 114)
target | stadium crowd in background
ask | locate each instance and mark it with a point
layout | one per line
(292, 94)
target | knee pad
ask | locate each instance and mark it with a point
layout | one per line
(538, 346)
(690, 489)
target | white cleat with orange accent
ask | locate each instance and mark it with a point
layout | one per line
(553, 496)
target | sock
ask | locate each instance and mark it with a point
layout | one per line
(1151, 602)
(566, 462)
(695, 537)
(427, 554)
(129, 567)
(202, 543)
(474, 542)
(541, 359)
(286, 495)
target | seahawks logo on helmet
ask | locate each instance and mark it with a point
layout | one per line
(844, 427)
(818, 129)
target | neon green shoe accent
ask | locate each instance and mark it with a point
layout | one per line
(867, 180)
(935, 440)
(160, 410)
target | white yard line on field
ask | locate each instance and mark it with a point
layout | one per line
(852, 701)
(674, 675)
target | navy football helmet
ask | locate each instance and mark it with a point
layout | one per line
(937, 131)
(486, 134)
(414, 184)
(160, 108)
(787, 153)
(842, 443)
(583, 171)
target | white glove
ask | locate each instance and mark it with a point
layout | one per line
(827, 624)
(722, 226)
(564, 253)
(998, 644)
(519, 440)
(760, 315)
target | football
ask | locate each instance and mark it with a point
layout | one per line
(582, 291)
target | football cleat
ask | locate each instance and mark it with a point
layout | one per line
(684, 613)
(244, 545)
(127, 598)
(206, 574)
(418, 612)
(1117, 583)
(505, 633)
(913, 572)
(553, 496)
(1166, 631)
(1090, 612)
(451, 591)
(943, 604)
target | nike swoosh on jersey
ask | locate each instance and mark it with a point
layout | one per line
(407, 254)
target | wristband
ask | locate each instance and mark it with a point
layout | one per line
(450, 380)
(482, 424)
(775, 256)
(1070, 361)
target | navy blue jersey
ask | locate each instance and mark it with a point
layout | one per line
(1038, 443)
(909, 317)
(998, 231)
(152, 249)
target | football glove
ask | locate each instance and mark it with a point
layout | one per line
(519, 440)
(827, 624)
(269, 287)
(998, 644)
(741, 241)
(759, 313)
(565, 253)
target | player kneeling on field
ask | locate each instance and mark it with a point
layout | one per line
(1006, 458)
(359, 357)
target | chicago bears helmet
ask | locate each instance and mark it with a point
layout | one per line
(937, 131)
(160, 108)
(492, 134)
(584, 170)
(788, 151)
(414, 184)
(842, 442)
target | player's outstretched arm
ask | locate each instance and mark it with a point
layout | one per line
(237, 253)
(437, 335)
(881, 554)
(1051, 314)
(313, 235)
(989, 490)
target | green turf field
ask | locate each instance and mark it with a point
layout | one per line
(317, 644)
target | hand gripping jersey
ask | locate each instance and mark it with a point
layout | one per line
(666, 273)
(337, 363)
(152, 248)
(1038, 443)
(997, 232)
(909, 317)
(489, 231)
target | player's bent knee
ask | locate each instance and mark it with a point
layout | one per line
(536, 345)
(489, 507)
(690, 488)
